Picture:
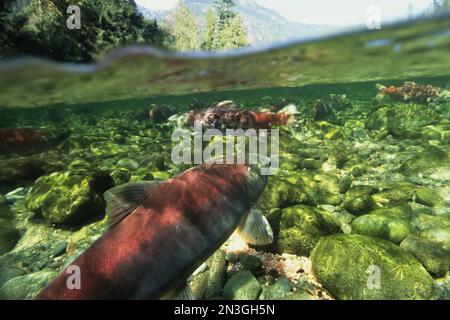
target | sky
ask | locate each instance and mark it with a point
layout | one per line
(331, 12)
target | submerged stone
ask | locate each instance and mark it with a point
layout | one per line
(26, 286)
(429, 197)
(69, 198)
(382, 226)
(302, 226)
(432, 256)
(242, 286)
(361, 267)
(277, 291)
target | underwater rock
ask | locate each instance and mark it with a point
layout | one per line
(432, 256)
(250, 262)
(400, 191)
(216, 276)
(426, 161)
(26, 286)
(277, 290)
(429, 197)
(360, 205)
(8, 272)
(208, 282)
(435, 229)
(380, 226)
(348, 266)
(9, 236)
(69, 198)
(302, 226)
(280, 193)
(411, 116)
(242, 286)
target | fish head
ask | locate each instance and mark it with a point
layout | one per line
(256, 180)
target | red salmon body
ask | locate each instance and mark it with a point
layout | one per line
(16, 140)
(177, 226)
(232, 118)
(11, 138)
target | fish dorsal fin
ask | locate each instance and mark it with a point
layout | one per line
(256, 229)
(124, 199)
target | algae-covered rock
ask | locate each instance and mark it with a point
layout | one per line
(384, 227)
(426, 161)
(9, 236)
(402, 116)
(242, 286)
(359, 205)
(277, 290)
(362, 267)
(432, 256)
(69, 197)
(207, 282)
(250, 262)
(216, 276)
(429, 197)
(280, 193)
(435, 228)
(26, 286)
(302, 226)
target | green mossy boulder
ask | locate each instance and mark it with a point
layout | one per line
(250, 262)
(432, 256)
(435, 228)
(70, 197)
(428, 197)
(382, 226)
(26, 286)
(280, 193)
(347, 266)
(277, 290)
(396, 192)
(302, 226)
(242, 286)
(360, 205)
(402, 115)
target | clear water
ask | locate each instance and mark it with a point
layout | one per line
(326, 164)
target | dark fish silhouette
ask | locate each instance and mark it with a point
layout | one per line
(16, 140)
(162, 232)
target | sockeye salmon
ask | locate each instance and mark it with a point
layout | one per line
(162, 232)
(17, 140)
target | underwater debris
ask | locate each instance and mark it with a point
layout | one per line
(410, 92)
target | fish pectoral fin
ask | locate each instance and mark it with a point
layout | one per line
(256, 229)
(124, 199)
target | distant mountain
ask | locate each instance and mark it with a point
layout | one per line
(262, 24)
